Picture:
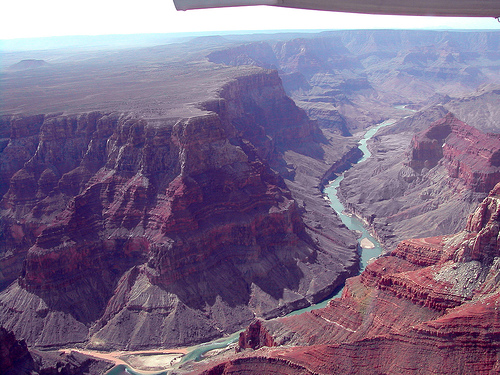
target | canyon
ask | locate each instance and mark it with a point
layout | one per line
(423, 184)
(167, 196)
(170, 222)
(431, 304)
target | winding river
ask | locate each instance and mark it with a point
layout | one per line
(371, 249)
(351, 222)
(367, 252)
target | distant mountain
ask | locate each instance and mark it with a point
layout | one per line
(28, 64)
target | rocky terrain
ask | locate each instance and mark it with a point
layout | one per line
(431, 305)
(117, 223)
(424, 184)
(170, 195)
(17, 359)
(349, 80)
(431, 296)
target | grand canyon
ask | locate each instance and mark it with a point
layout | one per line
(156, 198)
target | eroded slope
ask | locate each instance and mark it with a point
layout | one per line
(430, 306)
(131, 230)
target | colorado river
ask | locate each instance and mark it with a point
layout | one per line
(351, 222)
(366, 253)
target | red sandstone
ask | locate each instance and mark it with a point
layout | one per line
(431, 306)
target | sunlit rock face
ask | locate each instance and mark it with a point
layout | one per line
(423, 183)
(132, 232)
(431, 305)
(468, 155)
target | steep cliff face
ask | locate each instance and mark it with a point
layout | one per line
(410, 67)
(255, 337)
(350, 80)
(311, 56)
(162, 232)
(429, 299)
(320, 74)
(266, 117)
(425, 183)
(46, 161)
(306, 56)
(468, 155)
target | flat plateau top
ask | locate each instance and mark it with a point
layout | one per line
(156, 82)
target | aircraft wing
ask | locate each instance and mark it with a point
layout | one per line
(453, 8)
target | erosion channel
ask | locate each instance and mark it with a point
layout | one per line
(369, 248)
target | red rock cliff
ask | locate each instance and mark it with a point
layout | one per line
(468, 154)
(162, 232)
(431, 306)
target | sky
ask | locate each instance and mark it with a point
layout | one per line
(35, 18)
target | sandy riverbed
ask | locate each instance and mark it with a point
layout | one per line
(152, 362)
(144, 361)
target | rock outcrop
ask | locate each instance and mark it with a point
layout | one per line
(255, 337)
(425, 183)
(320, 74)
(467, 154)
(17, 359)
(135, 232)
(12, 351)
(430, 306)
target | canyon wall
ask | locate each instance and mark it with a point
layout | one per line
(170, 195)
(471, 157)
(350, 80)
(425, 183)
(431, 306)
(118, 224)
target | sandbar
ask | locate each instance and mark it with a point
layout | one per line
(145, 361)
(367, 244)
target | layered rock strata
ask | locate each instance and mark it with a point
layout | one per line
(430, 306)
(423, 184)
(320, 74)
(136, 232)
(467, 154)
(350, 80)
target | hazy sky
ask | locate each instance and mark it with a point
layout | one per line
(38, 18)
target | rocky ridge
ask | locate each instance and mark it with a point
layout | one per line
(435, 177)
(435, 297)
(468, 155)
(173, 222)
